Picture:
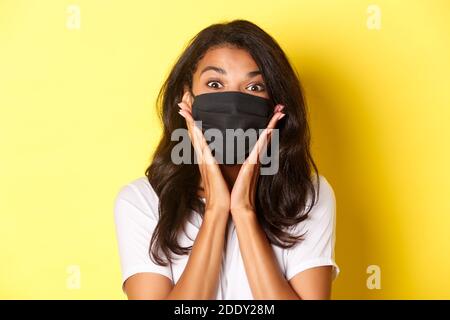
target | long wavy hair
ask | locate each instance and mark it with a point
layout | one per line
(281, 199)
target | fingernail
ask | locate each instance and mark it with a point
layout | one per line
(281, 107)
(281, 116)
(181, 113)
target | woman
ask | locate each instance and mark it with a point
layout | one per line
(212, 230)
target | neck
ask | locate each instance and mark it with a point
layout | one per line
(230, 173)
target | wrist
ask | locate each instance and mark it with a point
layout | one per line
(216, 215)
(246, 212)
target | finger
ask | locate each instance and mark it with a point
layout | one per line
(188, 118)
(193, 135)
(278, 108)
(275, 118)
(183, 106)
(259, 147)
(197, 138)
(206, 151)
(187, 99)
(187, 111)
(263, 139)
(197, 135)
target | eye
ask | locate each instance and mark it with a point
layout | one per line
(214, 84)
(258, 87)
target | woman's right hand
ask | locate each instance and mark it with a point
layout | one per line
(217, 194)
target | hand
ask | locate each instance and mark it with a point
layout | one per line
(244, 189)
(217, 194)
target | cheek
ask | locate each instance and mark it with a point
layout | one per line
(199, 87)
(265, 95)
(260, 94)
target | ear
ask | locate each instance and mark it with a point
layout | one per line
(190, 98)
(185, 89)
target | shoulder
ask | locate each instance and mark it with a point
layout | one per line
(136, 216)
(139, 194)
(318, 233)
(323, 211)
(325, 194)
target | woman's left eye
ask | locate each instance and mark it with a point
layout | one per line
(214, 84)
(256, 87)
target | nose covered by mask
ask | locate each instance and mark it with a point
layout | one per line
(236, 111)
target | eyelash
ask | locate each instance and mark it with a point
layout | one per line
(252, 85)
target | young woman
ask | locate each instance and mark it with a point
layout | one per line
(211, 230)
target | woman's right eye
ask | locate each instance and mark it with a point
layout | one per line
(214, 84)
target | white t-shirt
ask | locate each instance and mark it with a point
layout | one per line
(136, 215)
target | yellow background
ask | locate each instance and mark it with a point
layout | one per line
(77, 121)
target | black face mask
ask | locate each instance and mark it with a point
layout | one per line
(232, 110)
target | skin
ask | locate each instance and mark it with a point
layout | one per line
(229, 191)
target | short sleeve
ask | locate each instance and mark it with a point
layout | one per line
(135, 219)
(317, 247)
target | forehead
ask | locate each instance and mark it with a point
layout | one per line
(229, 58)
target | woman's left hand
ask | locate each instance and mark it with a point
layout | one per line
(244, 189)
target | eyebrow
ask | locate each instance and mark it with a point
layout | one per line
(251, 74)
